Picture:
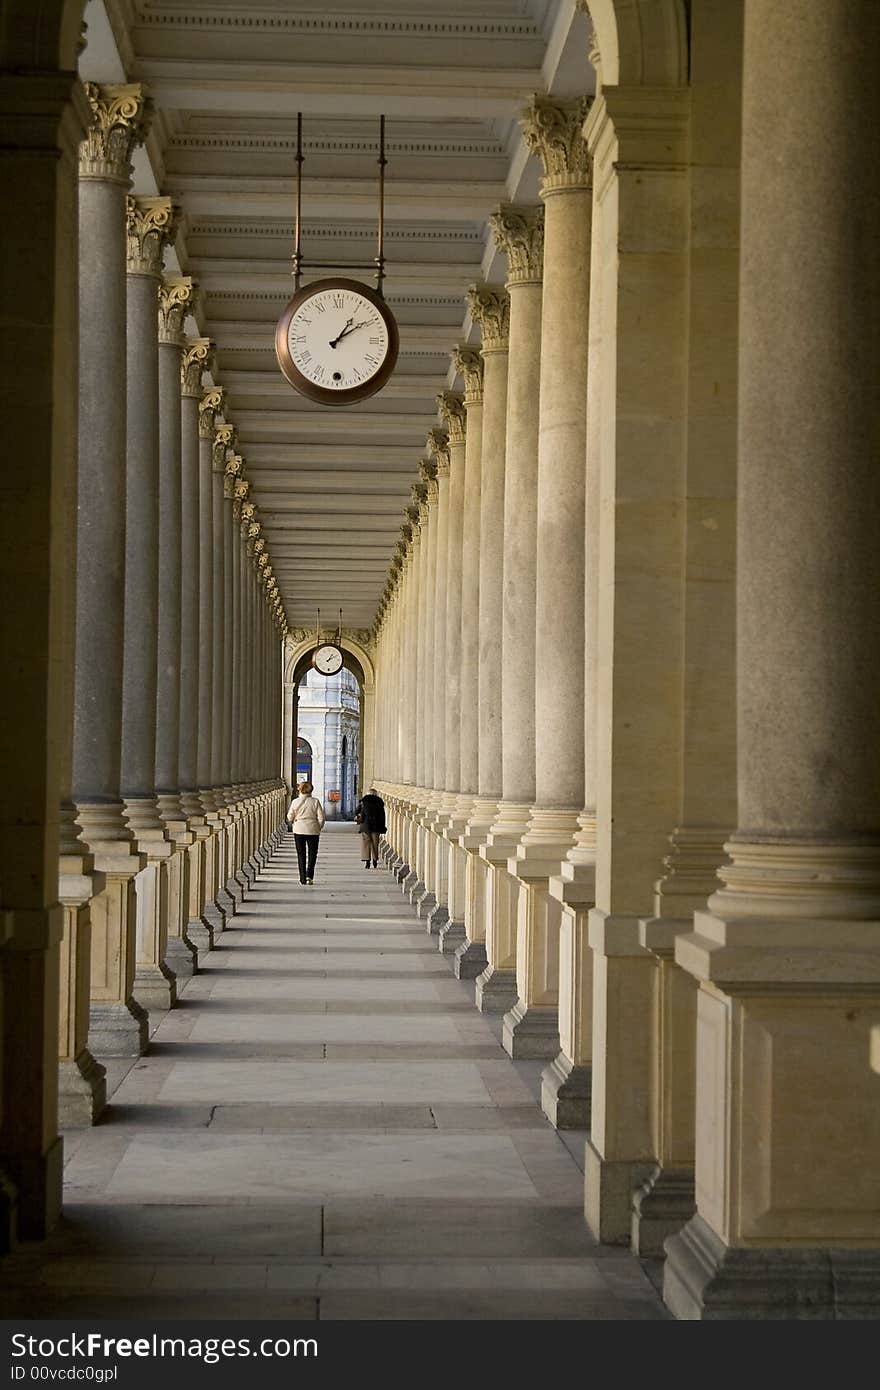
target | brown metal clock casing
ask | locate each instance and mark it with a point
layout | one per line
(337, 341)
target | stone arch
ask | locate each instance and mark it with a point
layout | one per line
(643, 43)
(359, 661)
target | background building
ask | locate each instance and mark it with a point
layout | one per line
(329, 724)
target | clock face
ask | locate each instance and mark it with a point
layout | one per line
(328, 660)
(337, 341)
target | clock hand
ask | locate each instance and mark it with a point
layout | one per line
(345, 332)
(342, 334)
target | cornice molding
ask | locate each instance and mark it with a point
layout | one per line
(349, 231)
(380, 26)
(286, 144)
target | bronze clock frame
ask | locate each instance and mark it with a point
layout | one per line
(323, 394)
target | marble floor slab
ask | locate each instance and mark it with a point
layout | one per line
(324, 1128)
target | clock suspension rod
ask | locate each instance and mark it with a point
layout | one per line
(380, 250)
(297, 249)
(377, 265)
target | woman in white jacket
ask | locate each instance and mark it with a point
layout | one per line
(306, 814)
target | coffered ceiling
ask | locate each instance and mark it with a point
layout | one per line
(227, 80)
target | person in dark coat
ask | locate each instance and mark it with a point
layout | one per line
(370, 816)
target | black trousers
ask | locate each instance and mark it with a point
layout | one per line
(306, 853)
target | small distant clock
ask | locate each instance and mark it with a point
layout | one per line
(337, 341)
(327, 659)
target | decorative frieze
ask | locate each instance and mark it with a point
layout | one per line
(212, 404)
(177, 296)
(438, 448)
(469, 364)
(198, 357)
(121, 117)
(150, 226)
(489, 307)
(553, 130)
(451, 406)
(519, 233)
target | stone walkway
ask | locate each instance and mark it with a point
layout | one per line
(325, 1127)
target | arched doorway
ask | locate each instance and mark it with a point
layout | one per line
(303, 760)
(356, 765)
(328, 724)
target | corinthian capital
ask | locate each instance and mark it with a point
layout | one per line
(121, 117)
(438, 448)
(177, 295)
(224, 442)
(150, 225)
(490, 309)
(198, 357)
(428, 475)
(232, 470)
(212, 404)
(554, 131)
(468, 362)
(519, 233)
(451, 407)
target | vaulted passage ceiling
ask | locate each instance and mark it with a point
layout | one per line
(227, 81)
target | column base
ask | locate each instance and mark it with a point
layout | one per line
(235, 891)
(565, 1093)
(450, 937)
(183, 956)
(424, 905)
(155, 987)
(118, 1030)
(38, 1180)
(82, 1091)
(437, 918)
(661, 1206)
(470, 960)
(214, 919)
(226, 902)
(495, 991)
(416, 893)
(531, 1032)
(705, 1279)
(401, 872)
(201, 934)
(608, 1195)
(409, 883)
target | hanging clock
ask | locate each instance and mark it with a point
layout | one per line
(327, 659)
(337, 341)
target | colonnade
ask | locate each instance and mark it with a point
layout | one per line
(168, 671)
(628, 649)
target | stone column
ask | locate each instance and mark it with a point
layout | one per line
(151, 225)
(438, 445)
(232, 475)
(553, 131)
(176, 299)
(199, 926)
(519, 231)
(188, 886)
(490, 308)
(424, 764)
(43, 118)
(214, 911)
(411, 658)
(465, 557)
(118, 1024)
(786, 955)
